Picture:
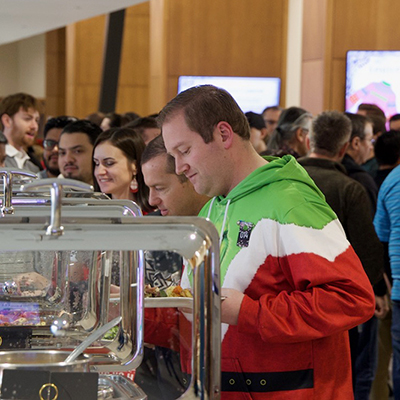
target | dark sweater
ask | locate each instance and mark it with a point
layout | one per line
(360, 175)
(350, 202)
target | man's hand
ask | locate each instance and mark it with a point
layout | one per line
(381, 306)
(230, 307)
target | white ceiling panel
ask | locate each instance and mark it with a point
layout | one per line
(20, 19)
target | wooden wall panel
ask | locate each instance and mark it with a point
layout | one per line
(357, 25)
(167, 38)
(354, 26)
(226, 37)
(314, 23)
(387, 20)
(314, 53)
(158, 56)
(134, 72)
(85, 41)
(312, 95)
(133, 98)
(193, 37)
(55, 72)
(85, 53)
(338, 84)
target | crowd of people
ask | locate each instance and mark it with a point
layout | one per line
(307, 213)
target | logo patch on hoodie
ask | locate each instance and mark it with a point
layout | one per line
(245, 229)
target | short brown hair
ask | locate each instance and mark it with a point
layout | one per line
(330, 131)
(358, 123)
(371, 109)
(11, 104)
(204, 107)
(155, 148)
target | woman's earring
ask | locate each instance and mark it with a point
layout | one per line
(134, 187)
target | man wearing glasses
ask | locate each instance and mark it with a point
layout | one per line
(51, 132)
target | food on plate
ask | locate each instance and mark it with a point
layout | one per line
(112, 333)
(177, 291)
(171, 291)
(150, 291)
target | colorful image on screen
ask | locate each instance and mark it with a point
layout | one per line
(251, 93)
(373, 77)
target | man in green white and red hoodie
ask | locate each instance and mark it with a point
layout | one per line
(293, 284)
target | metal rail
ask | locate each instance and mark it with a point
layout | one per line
(195, 239)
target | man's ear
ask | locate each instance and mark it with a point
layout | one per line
(299, 135)
(264, 133)
(6, 120)
(226, 133)
(308, 142)
(355, 143)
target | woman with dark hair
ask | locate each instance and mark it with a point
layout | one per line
(116, 157)
(290, 136)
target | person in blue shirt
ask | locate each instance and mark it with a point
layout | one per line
(387, 225)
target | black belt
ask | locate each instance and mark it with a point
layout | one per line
(267, 381)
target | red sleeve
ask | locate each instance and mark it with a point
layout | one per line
(318, 298)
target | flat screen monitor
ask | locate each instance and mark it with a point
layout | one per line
(373, 77)
(251, 93)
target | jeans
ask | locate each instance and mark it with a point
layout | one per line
(367, 354)
(396, 348)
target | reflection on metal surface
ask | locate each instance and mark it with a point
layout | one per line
(96, 231)
(120, 388)
(56, 187)
(9, 175)
(97, 334)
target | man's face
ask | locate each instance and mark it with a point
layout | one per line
(50, 152)
(271, 118)
(395, 125)
(21, 129)
(2, 154)
(366, 145)
(75, 157)
(202, 163)
(167, 192)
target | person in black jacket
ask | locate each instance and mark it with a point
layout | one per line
(329, 141)
(358, 152)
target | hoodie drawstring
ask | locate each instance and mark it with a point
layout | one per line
(221, 234)
(209, 208)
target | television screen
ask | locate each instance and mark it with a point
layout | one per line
(252, 94)
(373, 77)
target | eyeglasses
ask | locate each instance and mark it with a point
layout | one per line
(49, 144)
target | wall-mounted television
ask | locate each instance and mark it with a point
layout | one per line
(251, 93)
(373, 77)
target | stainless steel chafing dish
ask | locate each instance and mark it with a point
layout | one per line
(56, 256)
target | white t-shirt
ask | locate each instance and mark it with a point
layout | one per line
(20, 156)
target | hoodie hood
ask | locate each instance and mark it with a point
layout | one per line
(279, 191)
(277, 170)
